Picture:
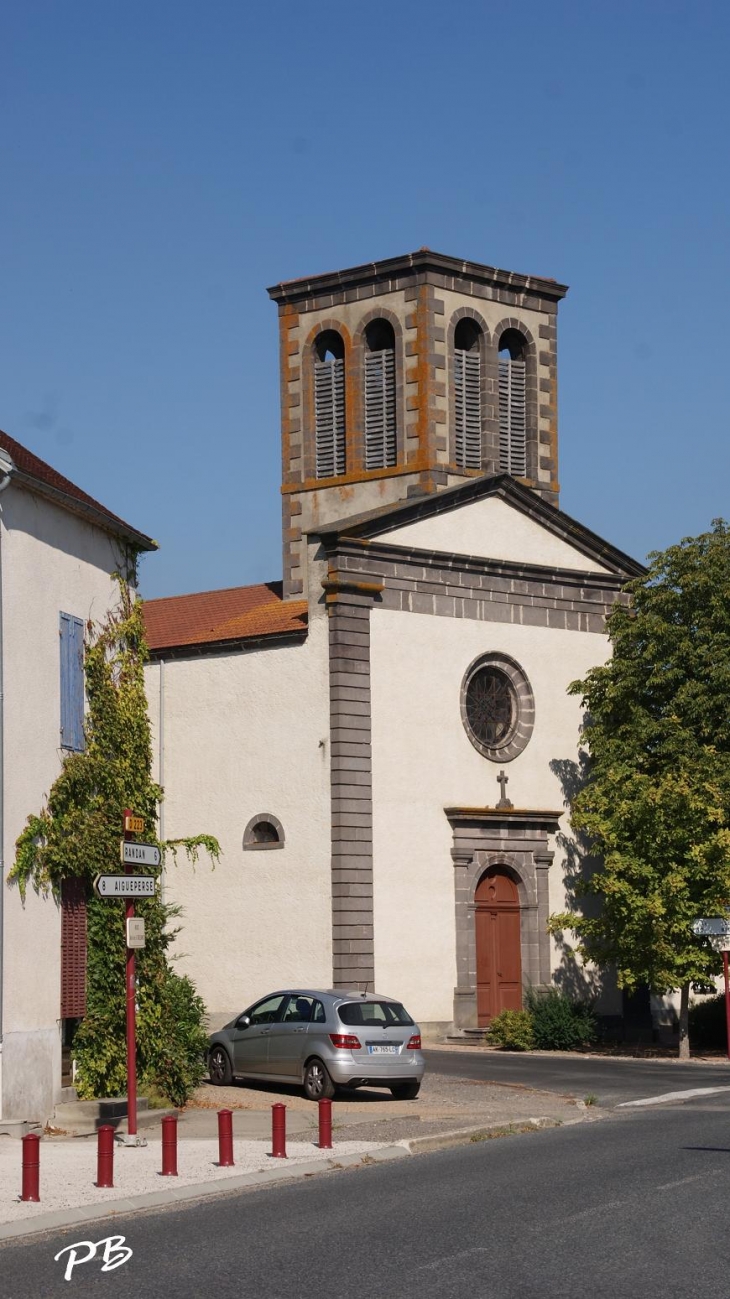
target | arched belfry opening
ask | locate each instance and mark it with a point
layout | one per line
(468, 394)
(513, 404)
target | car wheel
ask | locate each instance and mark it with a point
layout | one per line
(219, 1067)
(318, 1086)
(405, 1091)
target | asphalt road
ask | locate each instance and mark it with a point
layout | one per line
(612, 1080)
(634, 1205)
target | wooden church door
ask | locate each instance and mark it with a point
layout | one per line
(499, 965)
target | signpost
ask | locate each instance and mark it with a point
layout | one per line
(129, 887)
(719, 929)
(125, 886)
(139, 854)
(712, 928)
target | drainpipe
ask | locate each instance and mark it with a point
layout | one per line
(6, 470)
(161, 770)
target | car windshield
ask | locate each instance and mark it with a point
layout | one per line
(374, 1014)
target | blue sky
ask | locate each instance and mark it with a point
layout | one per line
(163, 163)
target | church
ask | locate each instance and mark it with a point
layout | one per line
(382, 741)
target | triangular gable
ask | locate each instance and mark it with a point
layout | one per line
(492, 529)
(492, 518)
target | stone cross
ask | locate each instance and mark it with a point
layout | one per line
(502, 782)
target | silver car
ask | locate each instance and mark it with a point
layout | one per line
(321, 1041)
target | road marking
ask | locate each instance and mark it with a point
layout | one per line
(674, 1096)
(698, 1177)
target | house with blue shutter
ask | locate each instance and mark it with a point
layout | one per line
(58, 550)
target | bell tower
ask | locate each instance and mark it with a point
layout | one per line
(408, 375)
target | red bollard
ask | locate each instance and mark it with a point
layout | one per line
(325, 1125)
(278, 1131)
(225, 1139)
(105, 1156)
(31, 1167)
(169, 1146)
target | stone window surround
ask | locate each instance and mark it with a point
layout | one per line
(250, 844)
(519, 736)
(517, 842)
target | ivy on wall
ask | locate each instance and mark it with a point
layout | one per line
(77, 834)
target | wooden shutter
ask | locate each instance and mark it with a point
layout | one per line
(512, 418)
(468, 409)
(73, 948)
(380, 436)
(329, 414)
(71, 631)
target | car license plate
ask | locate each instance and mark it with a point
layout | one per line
(379, 1049)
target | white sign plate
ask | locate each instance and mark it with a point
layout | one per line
(125, 886)
(139, 854)
(713, 927)
(135, 932)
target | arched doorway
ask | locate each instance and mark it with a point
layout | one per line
(499, 966)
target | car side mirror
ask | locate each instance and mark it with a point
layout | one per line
(243, 1021)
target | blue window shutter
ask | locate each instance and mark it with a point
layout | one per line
(71, 632)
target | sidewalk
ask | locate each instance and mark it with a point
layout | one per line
(367, 1126)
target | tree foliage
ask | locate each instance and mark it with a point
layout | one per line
(77, 834)
(656, 803)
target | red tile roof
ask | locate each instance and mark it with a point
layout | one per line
(37, 475)
(209, 617)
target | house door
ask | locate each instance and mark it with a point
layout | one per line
(499, 967)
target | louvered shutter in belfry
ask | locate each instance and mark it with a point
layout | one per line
(329, 415)
(468, 409)
(73, 949)
(380, 440)
(512, 418)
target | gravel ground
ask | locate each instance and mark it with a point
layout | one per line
(68, 1170)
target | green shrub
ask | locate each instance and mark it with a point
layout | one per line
(707, 1031)
(558, 1022)
(512, 1030)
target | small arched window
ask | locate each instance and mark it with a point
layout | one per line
(380, 423)
(512, 404)
(329, 404)
(468, 395)
(264, 831)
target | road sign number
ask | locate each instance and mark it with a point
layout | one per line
(139, 854)
(134, 824)
(125, 886)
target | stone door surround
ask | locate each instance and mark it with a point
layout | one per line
(516, 840)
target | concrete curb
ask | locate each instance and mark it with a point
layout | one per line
(61, 1218)
(281, 1173)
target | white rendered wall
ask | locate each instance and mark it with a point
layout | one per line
(247, 733)
(493, 529)
(423, 762)
(52, 562)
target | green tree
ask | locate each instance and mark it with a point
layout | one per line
(655, 807)
(77, 834)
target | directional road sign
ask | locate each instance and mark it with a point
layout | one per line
(139, 854)
(125, 886)
(711, 928)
